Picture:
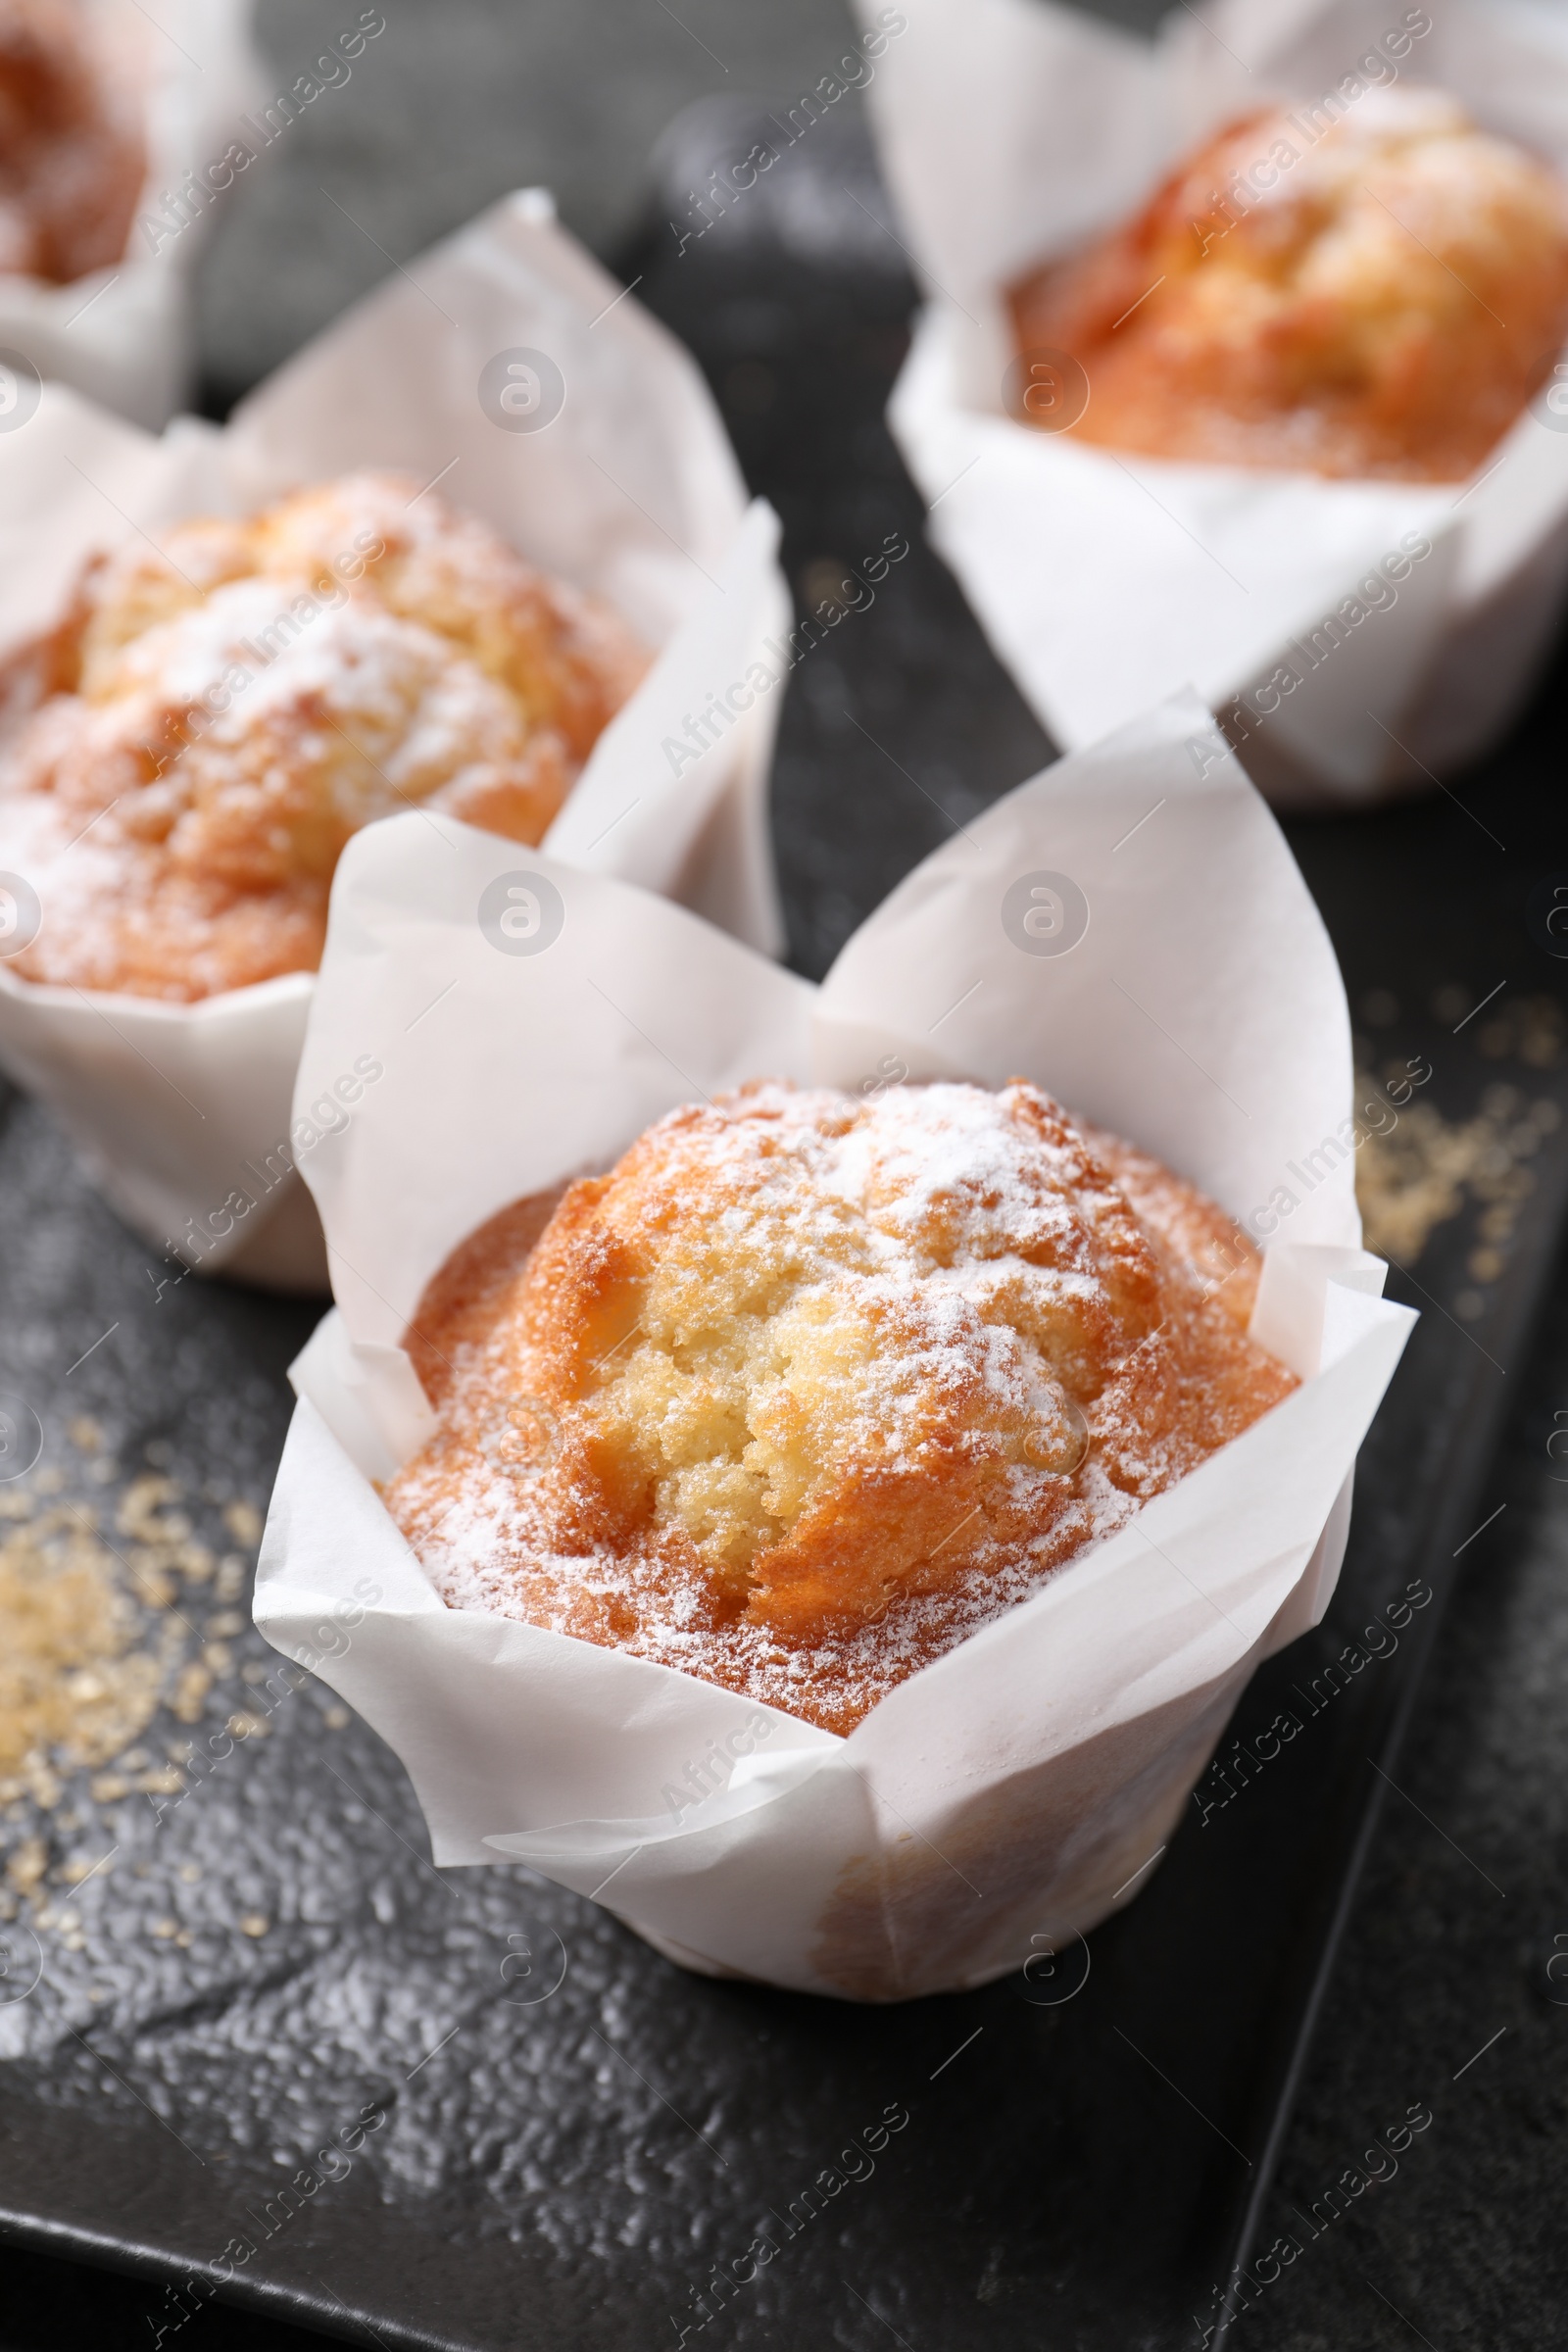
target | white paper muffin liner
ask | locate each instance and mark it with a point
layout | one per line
(1015, 1788)
(1012, 129)
(631, 491)
(125, 334)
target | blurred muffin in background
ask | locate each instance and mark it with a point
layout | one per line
(1379, 297)
(72, 152)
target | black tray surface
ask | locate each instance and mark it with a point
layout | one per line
(272, 1969)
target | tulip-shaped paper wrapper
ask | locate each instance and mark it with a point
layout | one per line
(1180, 990)
(1360, 633)
(505, 370)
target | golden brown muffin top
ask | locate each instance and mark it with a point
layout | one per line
(1384, 307)
(808, 1386)
(71, 156)
(227, 706)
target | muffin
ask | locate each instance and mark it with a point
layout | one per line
(809, 1387)
(1374, 295)
(217, 713)
(71, 155)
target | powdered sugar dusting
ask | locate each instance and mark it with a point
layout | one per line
(247, 701)
(829, 1383)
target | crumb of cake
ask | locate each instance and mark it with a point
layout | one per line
(225, 710)
(807, 1387)
(72, 152)
(1376, 295)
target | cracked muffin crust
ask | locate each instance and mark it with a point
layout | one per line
(224, 709)
(809, 1387)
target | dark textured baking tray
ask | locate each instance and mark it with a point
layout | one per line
(563, 2163)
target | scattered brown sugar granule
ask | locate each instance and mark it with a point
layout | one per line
(96, 1633)
(1426, 1168)
(73, 1685)
(809, 1387)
